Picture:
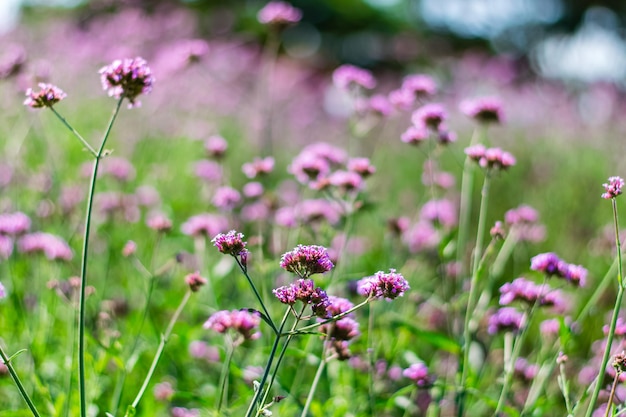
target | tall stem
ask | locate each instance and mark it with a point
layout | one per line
(482, 217)
(83, 269)
(78, 136)
(618, 304)
(7, 362)
(316, 379)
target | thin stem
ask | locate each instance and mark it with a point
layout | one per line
(334, 318)
(223, 392)
(157, 356)
(18, 382)
(258, 296)
(370, 356)
(83, 269)
(473, 291)
(268, 366)
(316, 379)
(609, 403)
(618, 304)
(80, 138)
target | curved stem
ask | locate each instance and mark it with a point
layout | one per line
(258, 296)
(83, 269)
(80, 138)
(7, 362)
(616, 308)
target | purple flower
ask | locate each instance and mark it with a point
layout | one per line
(253, 189)
(230, 243)
(613, 188)
(256, 211)
(47, 96)
(379, 105)
(344, 329)
(521, 214)
(524, 370)
(195, 281)
(258, 167)
(226, 198)
(216, 146)
(338, 305)
(305, 261)
(419, 85)
(242, 321)
(548, 263)
(119, 168)
(3, 292)
(383, 285)
(279, 13)
(346, 180)
(316, 210)
(127, 78)
(52, 246)
(505, 319)
(421, 236)
(490, 158)
(308, 166)
(14, 223)
(442, 212)
(415, 135)
(348, 76)
(430, 115)
(304, 290)
(6, 247)
(497, 231)
(483, 110)
(129, 248)
(418, 373)
(159, 222)
(361, 166)
(204, 224)
(332, 154)
(209, 171)
(12, 61)
(402, 98)
(185, 412)
(163, 391)
(527, 291)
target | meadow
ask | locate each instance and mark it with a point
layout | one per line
(211, 227)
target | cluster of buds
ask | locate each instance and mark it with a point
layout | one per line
(490, 158)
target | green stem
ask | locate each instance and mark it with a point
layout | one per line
(83, 270)
(157, 356)
(334, 318)
(482, 218)
(258, 296)
(223, 392)
(268, 366)
(316, 379)
(80, 138)
(618, 304)
(18, 382)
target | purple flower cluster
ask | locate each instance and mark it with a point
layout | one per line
(483, 109)
(383, 285)
(230, 243)
(521, 289)
(348, 76)
(53, 247)
(215, 146)
(306, 260)
(195, 281)
(279, 13)
(505, 319)
(613, 188)
(524, 220)
(47, 96)
(14, 223)
(524, 370)
(304, 290)
(426, 119)
(226, 198)
(242, 321)
(206, 224)
(490, 158)
(419, 374)
(127, 78)
(430, 115)
(258, 167)
(550, 264)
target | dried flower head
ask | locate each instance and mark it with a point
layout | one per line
(230, 243)
(127, 78)
(613, 188)
(306, 260)
(47, 96)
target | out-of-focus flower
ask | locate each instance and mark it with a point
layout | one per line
(415, 135)
(53, 247)
(230, 243)
(163, 391)
(129, 248)
(505, 319)
(12, 61)
(430, 115)
(159, 222)
(442, 212)
(379, 105)
(242, 321)
(204, 224)
(421, 236)
(216, 146)
(209, 171)
(361, 166)
(47, 96)
(279, 13)
(497, 231)
(3, 292)
(383, 285)
(483, 110)
(419, 85)
(195, 281)
(127, 78)
(613, 188)
(199, 349)
(402, 99)
(306, 260)
(550, 264)
(348, 76)
(418, 373)
(524, 370)
(185, 412)
(258, 167)
(253, 189)
(346, 180)
(344, 329)
(226, 198)
(14, 223)
(490, 158)
(6, 247)
(308, 166)
(521, 289)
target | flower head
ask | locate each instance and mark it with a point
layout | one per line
(230, 243)
(613, 188)
(348, 76)
(3, 292)
(430, 115)
(204, 224)
(52, 246)
(14, 223)
(418, 373)
(279, 13)
(216, 146)
(47, 96)
(306, 260)
(242, 321)
(420, 85)
(258, 167)
(483, 110)
(505, 319)
(127, 78)
(490, 158)
(195, 281)
(415, 135)
(383, 285)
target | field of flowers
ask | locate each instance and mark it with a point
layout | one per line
(209, 227)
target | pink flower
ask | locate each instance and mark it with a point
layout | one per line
(483, 110)
(204, 224)
(226, 198)
(195, 281)
(383, 285)
(127, 78)
(242, 321)
(613, 188)
(52, 246)
(279, 13)
(258, 167)
(348, 76)
(47, 96)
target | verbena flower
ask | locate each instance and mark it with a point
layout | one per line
(163, 391)
(53, 247)
(253, 189)
(216, 146)
(383, 285)
(613, 188)
(47, 96)
(442, 212)
(361, 166)
(505, 319)
(348, 76)
(418, 373)
(129, 249)
(430, 115)
(521, 289)
(306, 260)
(242, 321)
(3, 292)
(344, 329)
(483, 110)
(230, 243)
(258, 167)
(491, 158)
(415, 135)
(279, 13)
(14, 223)
(550, 264)
(195, 281)
(524, 370)
(226, 198)
(127, 78)
(159, 222)
(304, 290)
(204, 224)
(419, 85)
